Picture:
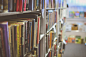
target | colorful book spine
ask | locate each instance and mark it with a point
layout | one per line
(20, 5)
(17, 5)
(18, 41)
(24, 5)
(38, 30)
(50, 39)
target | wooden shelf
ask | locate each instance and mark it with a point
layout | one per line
(15, 13)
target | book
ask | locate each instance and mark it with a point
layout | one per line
(20, 5)
(1, 6)
(14, 5)
(33, 29)
(31, 5)
(5, 5)
(35, 34)
(71, 14)
(3, 43)
(1, 54)
(18, 41)
(85, 14)
(17, 5)
(81, 14)
(76, 14)
(37, 4)
(4, 25)
(25, 3)
(38, 30)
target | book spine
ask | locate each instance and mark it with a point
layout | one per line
(1, 6)
(13, 41)
(9, 5)
(5, 5)
(30, 5)
(23, 41)
(14, 5)
(33, 29)
(0, 44)
(50, 40)
(18, 41)
(15, 31)
(3, 44)
(35, 33)
(38, 30)
(26, 43)
(20, 5)
(25, 5)
(30, 36)
(22, 54)
(17, 5)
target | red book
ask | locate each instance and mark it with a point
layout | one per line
(17, 5)
(20, 5)
(38, 30)
(24, 5)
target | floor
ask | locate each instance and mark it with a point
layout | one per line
(75, 50)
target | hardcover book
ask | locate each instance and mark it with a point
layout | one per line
(81, 14)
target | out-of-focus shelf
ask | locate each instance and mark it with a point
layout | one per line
(41, 36)
(47, 53)
(51, 28)
(15, 13)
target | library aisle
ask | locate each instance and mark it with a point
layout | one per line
(75, 50)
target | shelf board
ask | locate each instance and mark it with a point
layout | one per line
(51, 28)
(50, 8)
(48, 52)
(15, 13)
(9, 13)
(75, 19)
(55, 38)
(41, 36)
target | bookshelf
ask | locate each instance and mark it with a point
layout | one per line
(37, 28)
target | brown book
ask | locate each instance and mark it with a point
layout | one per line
(1, 6)
(5, 5)
(85, 14)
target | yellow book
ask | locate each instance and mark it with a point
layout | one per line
(59, 55)
(51, 38)
(18, 41)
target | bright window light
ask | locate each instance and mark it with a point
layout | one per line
(76, 2)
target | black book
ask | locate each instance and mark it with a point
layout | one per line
(33, 29)
(15, 41)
